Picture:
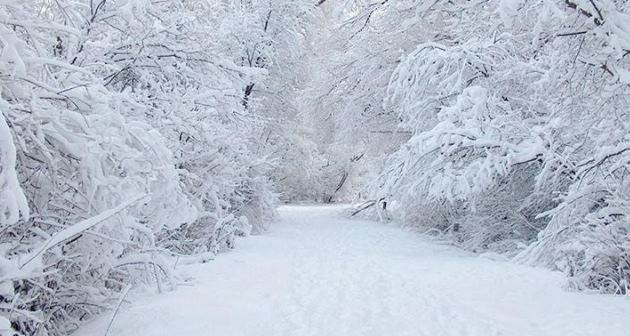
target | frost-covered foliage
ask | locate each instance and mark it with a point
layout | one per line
(271, 41)
(520, 131)
(129, 134)
(346, 81)
(13, 204)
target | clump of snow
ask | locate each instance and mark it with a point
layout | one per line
(13, 204)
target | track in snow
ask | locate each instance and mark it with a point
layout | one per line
(320, 274)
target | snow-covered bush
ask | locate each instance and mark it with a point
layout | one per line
(78, 158)
(125, 139)
(519, 118)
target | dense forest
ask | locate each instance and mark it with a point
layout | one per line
(135, 134)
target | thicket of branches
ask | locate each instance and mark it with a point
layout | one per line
(132, 138)
(517, 123)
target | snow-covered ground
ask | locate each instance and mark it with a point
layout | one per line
(318, 273)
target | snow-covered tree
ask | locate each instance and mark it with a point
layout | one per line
(125, 140)
(519, 120)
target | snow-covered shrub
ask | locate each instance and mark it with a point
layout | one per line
(124, 140)
(78, 158)
(520, 119)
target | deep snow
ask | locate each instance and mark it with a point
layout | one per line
(318, 273)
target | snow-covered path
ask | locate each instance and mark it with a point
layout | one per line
(318, 273)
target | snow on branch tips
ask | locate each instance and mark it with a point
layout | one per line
(13, 204)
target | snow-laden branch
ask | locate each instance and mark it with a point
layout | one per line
(77, 229)
(13, 204)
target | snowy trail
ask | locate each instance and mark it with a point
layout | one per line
(317, 273)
